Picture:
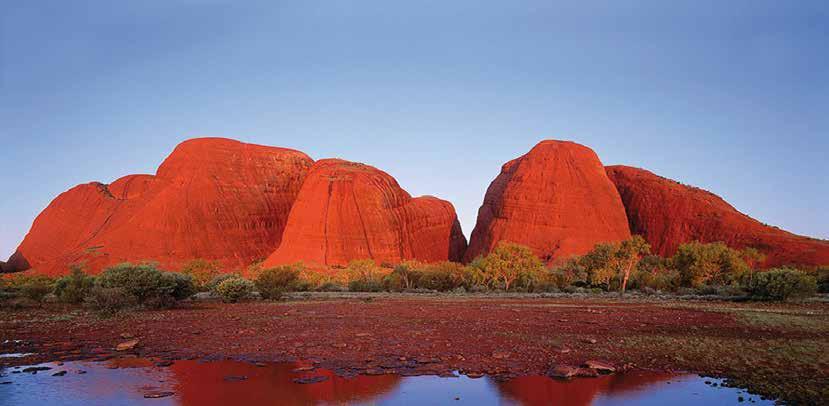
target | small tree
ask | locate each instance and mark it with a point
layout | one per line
(508, 261)
(700, 263)
(74, 287)
(202, 271)
(628, 255)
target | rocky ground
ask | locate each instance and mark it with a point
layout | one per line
(778, 350)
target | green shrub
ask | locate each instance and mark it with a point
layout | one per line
(331, 287)
(364, 276)
(149, 286)
(202, 271)
(32, 287)
(822, 275)
(509, 263)
(109, 301)
(218, 279)
(273, 282)
(658, 280)
(74, 287)
(713, 263)
(781, 284)
(444, 276)
(235, 289)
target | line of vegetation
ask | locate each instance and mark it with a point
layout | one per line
(696, 268)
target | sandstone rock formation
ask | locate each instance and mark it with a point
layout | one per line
(347, 211)
(556, 199)
(212, 198)
(668, 213)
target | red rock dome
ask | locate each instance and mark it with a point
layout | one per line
(556, 199)
(347, 211)
(668, 213)
(212, 198)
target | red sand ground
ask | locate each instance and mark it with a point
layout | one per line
(781, 353)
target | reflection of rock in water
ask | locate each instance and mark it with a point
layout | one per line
(204, 384)
(541, 390)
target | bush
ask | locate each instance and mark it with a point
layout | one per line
(715, 263)
(32, 287)
(109, 301)
(781, 284)
(149, 286)
(217, 280)
(272, 283)
(364, 276)
(202, 271)
(509, 263)
(444, 276)
(235, 289)
(74, 287)
(822, 275)
(659, 280)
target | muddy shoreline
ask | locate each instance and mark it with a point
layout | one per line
(501, 337)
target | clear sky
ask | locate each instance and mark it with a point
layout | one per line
(731, 96)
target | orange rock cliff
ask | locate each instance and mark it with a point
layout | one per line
(668, 213)
(347, 210)
(555, 199)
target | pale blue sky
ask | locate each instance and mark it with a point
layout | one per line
(730, 96)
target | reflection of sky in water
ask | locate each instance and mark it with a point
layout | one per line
(203, 384)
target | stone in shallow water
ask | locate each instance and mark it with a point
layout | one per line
(158, 394)
(563, 372)
(235, 378)
(600, 366)
(310, 379)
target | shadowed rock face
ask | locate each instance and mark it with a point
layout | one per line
(668, 214)
(556, 199)
(348, 211)
(212, 198)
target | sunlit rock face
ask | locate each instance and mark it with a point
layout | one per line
(668, 213)
(555, 199)
(348, 211)
(212, 198)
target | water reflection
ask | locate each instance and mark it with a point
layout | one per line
(128, 380)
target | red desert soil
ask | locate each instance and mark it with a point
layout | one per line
(347, 210)
(777, 350)
(212, 198)
(555, 199)
(668, 213)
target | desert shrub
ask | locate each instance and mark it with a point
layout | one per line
(109, 300)
(273, 282)
(713, 263)
(331, 287)
(509, 263)
(74, 287)
(658, 280)
(235, 289)
(781, 284)
(364, 276)
(184, 286)
(822, 276)
(404, 276)
(150, 286)
(720, 290)
(218, 279)
(202, 271)
(32, 287)
(444, 276)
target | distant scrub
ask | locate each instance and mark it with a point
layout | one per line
(202, 272)
(781, 284)
(149, 286)
(273, 282)
(75, 287)
(235, 290)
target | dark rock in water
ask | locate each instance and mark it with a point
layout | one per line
(81, 372)
(6, 383)
(163, 363)
(235, 378)
(310, 379)
(587, 373)
(158, 394)
(563, 372)
(61, 373)
(35, 369)
(600, 366)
